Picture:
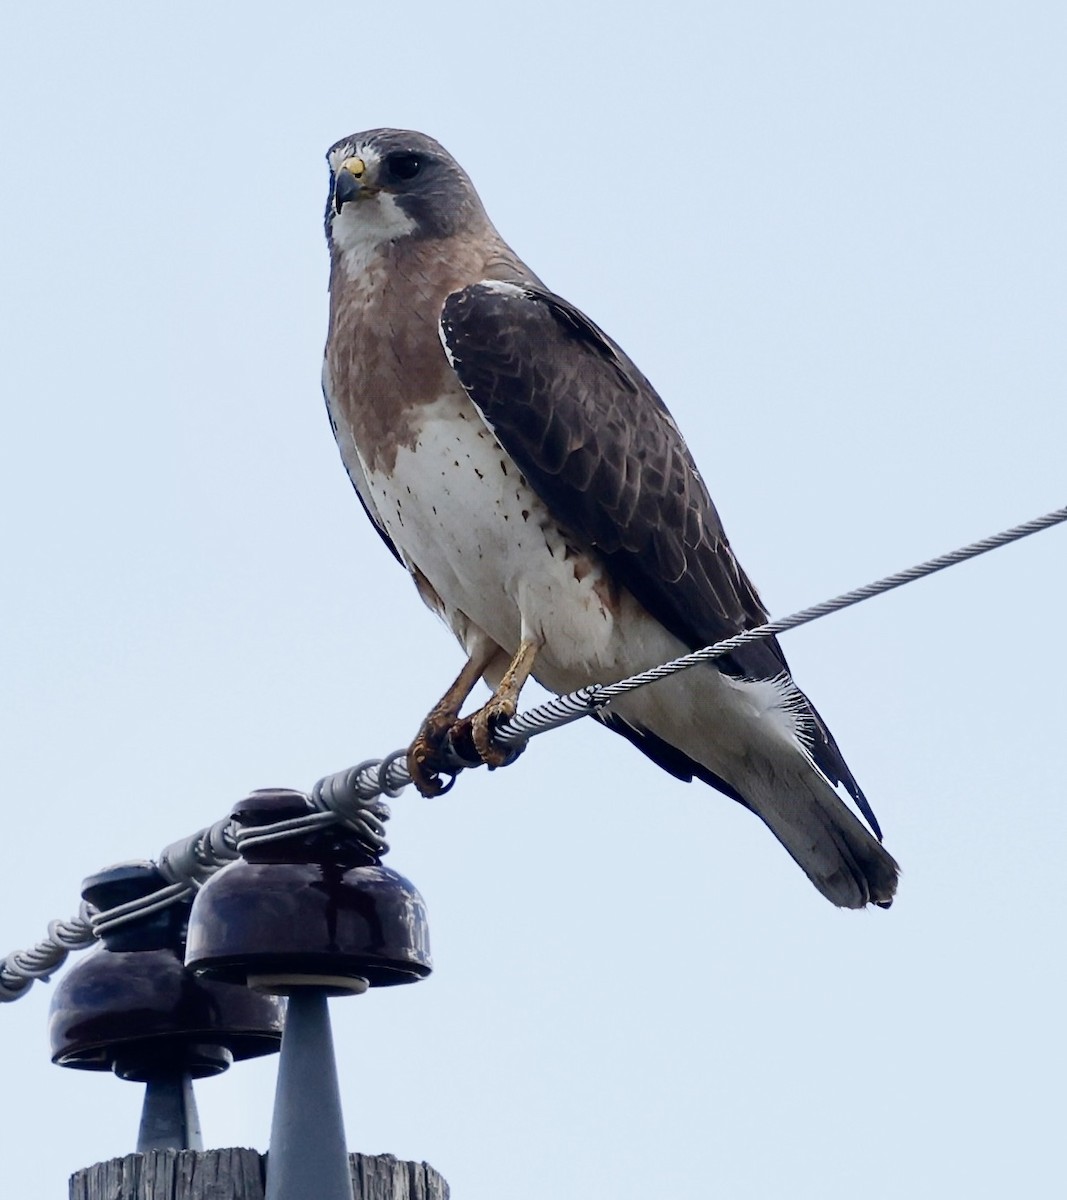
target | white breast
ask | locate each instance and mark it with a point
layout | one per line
(459, 511)
(461, 514)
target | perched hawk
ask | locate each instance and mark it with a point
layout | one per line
(538, 491)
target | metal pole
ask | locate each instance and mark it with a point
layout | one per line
(308, 1153)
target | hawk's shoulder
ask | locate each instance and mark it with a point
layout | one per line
(599, 446)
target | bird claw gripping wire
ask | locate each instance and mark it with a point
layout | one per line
(352, 796)
(461, 748)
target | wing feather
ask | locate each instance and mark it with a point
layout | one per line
(600, 448)
(598, 445)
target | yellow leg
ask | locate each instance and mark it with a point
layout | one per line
(503, 704)
(424, 752)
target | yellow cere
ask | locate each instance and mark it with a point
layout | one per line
(354, 166)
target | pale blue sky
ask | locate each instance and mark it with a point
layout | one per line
(833, 236)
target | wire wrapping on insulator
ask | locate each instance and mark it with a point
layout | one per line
(143, 906)
(279, 831)
(352, 796)
(196, 858)
(343, 794)
(20, 968)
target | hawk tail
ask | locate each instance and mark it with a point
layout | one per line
(795, 800)
(842, 858)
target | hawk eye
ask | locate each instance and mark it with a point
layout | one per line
(404, 166)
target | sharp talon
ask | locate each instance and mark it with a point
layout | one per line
(483, 724)
(446, 744)
(424, 761)
(460, 741)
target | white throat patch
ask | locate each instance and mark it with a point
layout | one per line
(363, 226)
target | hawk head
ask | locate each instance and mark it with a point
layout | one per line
(389, 184)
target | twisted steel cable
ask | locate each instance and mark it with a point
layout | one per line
(353, 796)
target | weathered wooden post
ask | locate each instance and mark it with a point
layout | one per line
(307, 912)
(238, 1175)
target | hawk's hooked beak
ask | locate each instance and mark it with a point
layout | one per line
(349, 182)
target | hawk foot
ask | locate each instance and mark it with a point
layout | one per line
(482, 726)
(442, 738)
(425, 761)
